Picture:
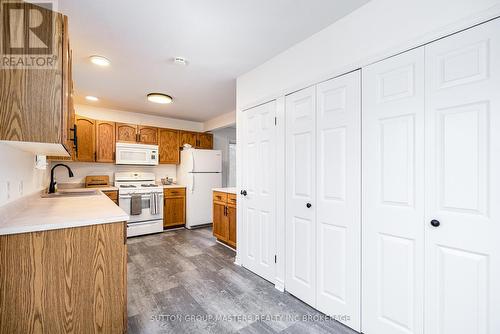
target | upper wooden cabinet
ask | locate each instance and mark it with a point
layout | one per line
(168, 143)
(85, 132)
(126, 133)
(34, 102)
(105, 141)
(187, 137)
(147, 135)
(205, 141)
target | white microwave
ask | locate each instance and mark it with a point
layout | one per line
(136, 154)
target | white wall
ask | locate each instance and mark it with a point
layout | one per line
(114, 115)
(222, 138)
(82, 169)
(220, 121)
(376, 30)
(18, 176)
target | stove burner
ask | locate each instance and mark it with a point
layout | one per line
(148, 185)
(127, 186)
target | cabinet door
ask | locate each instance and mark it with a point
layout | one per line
(393, 179)
(85, 128)
(220, 226)
(174, 213)
(105, 141)
(147, 135)
(126, 133)
(462, 187)
(338, 189)
(231, 220)
(300, 195)
(187, 137)
(205, 141)
(168, 142)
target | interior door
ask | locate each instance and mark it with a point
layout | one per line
(258, 242)
(393, 185)
(339, 198)
(462, 124)
(300, 114)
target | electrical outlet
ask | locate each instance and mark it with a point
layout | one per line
(4, 191)
(21, 188)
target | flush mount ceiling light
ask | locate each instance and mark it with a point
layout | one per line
(92, 98)
(99, 60)
(159, 98)
(180, 61)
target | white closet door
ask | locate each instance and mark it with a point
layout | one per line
(462, 124)
(300, 117)
(258, 241)
(393, 184)
(339, 198)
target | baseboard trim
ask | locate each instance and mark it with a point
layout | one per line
(279, 285)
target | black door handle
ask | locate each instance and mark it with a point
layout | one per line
(435, 223)
(243, 192)
(308, 205)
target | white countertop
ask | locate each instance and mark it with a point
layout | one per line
(34, 213)
(229, 190)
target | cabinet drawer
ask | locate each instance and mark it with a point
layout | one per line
(220, 197)
(231, 199)
(112, 194)
(169, 192)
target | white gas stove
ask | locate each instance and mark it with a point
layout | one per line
(140, 189)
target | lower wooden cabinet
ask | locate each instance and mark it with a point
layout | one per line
(174, 210)
(113, 195)
(224, 217)
(67, 280)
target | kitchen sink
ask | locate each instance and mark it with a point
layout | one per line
(72, 193)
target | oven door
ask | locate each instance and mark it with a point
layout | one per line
(146, 214)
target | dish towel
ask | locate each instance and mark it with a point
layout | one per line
(155, 203)
(135, 204)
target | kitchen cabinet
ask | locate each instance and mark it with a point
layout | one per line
(36, 103)
(64, 280)
(113, 195)
(205, 141)
(224, 217)
(147, 135)
(105, 141)
(187, 137)
(126, 133)
(174, 211)
(85, 132)
(168, 145)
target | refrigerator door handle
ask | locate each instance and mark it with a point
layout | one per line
(191, 184)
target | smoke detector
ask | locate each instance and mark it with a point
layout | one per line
(180, 61)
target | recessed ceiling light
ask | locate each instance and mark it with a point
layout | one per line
(180, 61)
(91, 98)
(99, 60)
(159, 98)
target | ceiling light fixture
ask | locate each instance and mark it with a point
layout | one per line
(180, 61)
(159, 98)
(92, 98)
(99, 60)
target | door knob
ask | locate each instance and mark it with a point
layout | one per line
(308, 205)
(243, 192)
(435, 223)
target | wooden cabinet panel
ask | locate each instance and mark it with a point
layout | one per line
(147, 135)
(105, 141)
(168, 141)
(113, 195)
(85, 131)
(174, 210)
(187, 137)
(231, 217)
(220, 226)
(126, 133)
(220, 197)
(66, 280)
(205, 141)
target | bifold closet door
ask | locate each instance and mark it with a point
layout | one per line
(393, 202)
(258, 242)
(338, 208)
(462, 219)
(300, 114)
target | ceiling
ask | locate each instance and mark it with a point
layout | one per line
(221, 39)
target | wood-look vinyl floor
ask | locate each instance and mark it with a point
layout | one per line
(183, 281)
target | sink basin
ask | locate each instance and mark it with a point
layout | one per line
(72, 193)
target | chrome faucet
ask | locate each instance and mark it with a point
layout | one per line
(52, 185)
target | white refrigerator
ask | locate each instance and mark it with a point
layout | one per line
(200, 171)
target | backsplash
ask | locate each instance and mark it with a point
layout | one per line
(82, 169)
